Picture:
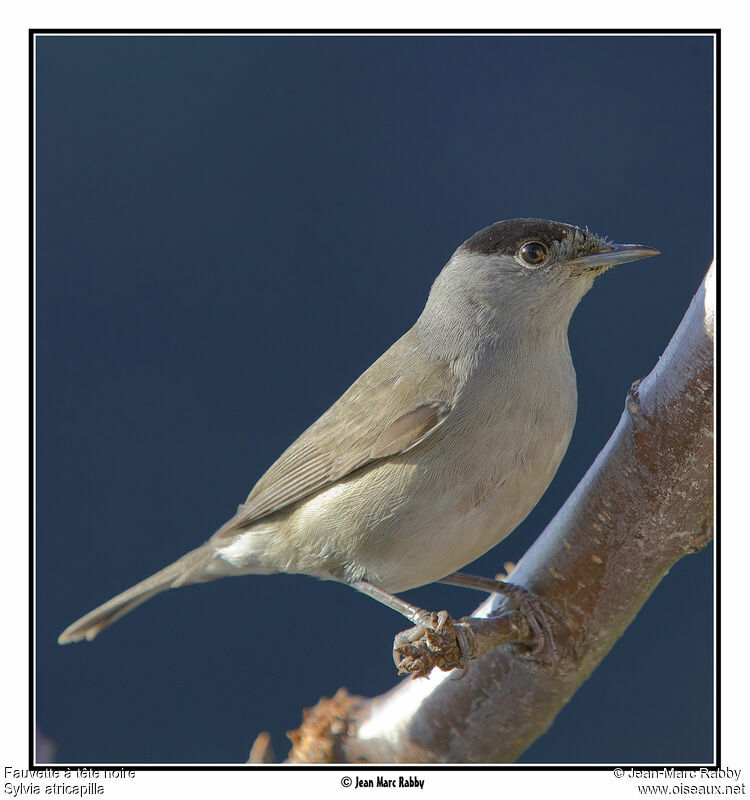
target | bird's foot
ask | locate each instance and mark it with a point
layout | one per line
(439, 641)
(545, 622)
(436, 641)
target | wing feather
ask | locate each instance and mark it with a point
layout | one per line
(386, 411)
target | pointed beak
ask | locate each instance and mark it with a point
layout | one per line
(609, 256)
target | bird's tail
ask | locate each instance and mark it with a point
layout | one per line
(191, 568)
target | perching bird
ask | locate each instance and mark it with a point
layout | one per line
(436, 452)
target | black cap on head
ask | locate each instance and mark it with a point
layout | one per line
(504, 238)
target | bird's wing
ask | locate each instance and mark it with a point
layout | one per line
(387, 410)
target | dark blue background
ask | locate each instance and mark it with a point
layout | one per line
(230, 230)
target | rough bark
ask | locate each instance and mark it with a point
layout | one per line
(646, 502)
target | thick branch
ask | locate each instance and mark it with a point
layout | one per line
(646, 502)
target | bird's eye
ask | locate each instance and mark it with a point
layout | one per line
(533, 252)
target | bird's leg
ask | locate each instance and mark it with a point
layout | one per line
(540, 614)
(435, 641)
(480, 584)
(413, 613)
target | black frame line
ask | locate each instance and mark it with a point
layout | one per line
(33, 33)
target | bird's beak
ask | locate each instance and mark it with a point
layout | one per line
(610, 255)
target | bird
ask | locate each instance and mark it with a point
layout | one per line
(438, 451)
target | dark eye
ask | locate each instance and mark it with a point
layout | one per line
(533, 252)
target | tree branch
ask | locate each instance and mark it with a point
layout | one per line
(646, 502)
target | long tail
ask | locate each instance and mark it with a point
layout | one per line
(191, 568)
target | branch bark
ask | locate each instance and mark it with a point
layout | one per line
(646, 502)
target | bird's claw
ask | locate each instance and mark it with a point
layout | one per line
(543, 619)
(435, 641)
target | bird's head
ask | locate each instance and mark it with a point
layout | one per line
(528, 270)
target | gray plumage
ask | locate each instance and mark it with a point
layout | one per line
(436, 452)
